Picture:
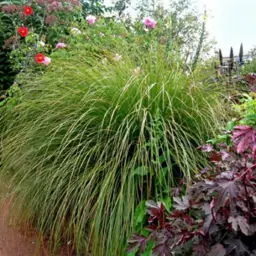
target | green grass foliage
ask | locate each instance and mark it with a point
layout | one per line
(94, 136)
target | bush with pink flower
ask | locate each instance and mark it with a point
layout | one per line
(31, 26)
(149, 22)
(60, 45)
(91, 19)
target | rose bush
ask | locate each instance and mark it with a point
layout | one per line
(47, 21)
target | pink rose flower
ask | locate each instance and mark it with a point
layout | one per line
(47, 61)
(60, 45)
(91, 19)
(149, 22)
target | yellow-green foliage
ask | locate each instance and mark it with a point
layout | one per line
(247, 108)
(93, 136)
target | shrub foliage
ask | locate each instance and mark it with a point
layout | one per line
(98, 132)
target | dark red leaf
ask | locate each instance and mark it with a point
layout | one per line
(215, 157)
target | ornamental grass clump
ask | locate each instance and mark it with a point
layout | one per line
(94, 135)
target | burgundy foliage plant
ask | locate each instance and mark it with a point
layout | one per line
(217, 216)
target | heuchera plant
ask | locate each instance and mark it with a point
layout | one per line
(217, 216)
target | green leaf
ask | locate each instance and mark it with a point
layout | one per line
(231, 125)
(140, 213)
(251, 117)
(162, 159)
(168, 203)
(149, 248)
(141, 171)
(2, 103)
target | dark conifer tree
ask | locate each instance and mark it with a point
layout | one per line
(220, 57)
(231, 59)
(241, 54)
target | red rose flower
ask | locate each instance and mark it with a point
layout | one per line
(28, 10)
(23, 31)
(40, 58)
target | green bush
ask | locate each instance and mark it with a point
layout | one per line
(249, 67)
(97, 133)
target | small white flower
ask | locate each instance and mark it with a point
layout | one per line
(136, 71)
(40, 44)
(117, 57)
(133, 30)
(75, 31)
(104, 61)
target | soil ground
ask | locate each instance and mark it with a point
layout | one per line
(14, 243)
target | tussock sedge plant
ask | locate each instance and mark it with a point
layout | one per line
(96, 134)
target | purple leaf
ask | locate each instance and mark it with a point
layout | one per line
(242, 206)
(137, 242)
(229, 175)
(237, 246)
(200, 249)
(228, 190)
(206, 148)
(244, 137)
(208, 217)
(252, 229)
(220, 207)
(217, 250)
(240, 222)
(205, 170)
(162, 249)
(181, 203)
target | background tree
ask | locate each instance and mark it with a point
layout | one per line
(241, 54)
(200, 44)
(231, 63)
(220, 57)
(184, 27)
(121, 6)
(95, 7)
(231, 58)
(146, 7)
(252, 52)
